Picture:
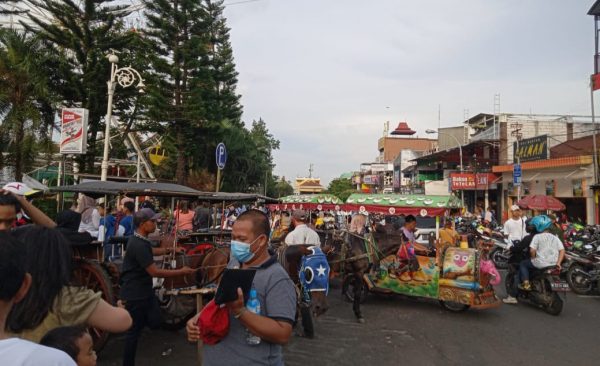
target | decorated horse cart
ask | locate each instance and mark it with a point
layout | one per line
(451, 275)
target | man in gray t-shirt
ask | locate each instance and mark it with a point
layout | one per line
(276, 293)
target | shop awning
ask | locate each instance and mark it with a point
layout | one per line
(545, 164)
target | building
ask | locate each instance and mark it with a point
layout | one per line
(396, 149)
(489, 149)
(304, 185)
(565, 171)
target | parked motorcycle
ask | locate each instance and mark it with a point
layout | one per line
(583, 274)
(545, 284)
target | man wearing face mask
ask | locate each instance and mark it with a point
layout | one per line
(276, 293)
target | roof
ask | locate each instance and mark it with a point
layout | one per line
(311, 198)
(595, 9)
(396, 204)
(579, 146)
(404, 200)
(403, 129)
(545, 164)
(100, 188)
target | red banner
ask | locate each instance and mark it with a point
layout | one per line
(470, 181)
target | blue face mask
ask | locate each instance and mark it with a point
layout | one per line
(241, 251)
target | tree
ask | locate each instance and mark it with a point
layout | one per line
(83, 32)
(223, 100)
(24, 95)
(279, 187)
(342, 188)
(177, 34)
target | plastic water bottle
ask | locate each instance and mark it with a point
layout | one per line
(253, 305)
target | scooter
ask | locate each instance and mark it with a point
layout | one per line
(500, 254)
(545, 284)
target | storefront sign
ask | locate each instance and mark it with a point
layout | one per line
(470, 181)
(535, 148)
(371, 179)
(73, 132)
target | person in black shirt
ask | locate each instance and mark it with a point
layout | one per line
(518, 253)
(67, 222)
(136, 280)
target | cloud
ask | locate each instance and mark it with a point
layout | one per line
(321, 73)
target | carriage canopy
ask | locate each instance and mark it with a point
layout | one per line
(309, 202)
(397, 204)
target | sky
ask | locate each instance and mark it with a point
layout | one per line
(326, 75)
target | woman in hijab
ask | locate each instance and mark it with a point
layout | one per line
(68, 223)
(90, 217)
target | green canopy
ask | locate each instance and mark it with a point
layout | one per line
(402, 203)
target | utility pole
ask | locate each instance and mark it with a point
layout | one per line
(516, 132)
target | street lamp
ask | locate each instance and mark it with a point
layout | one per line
(462, 196)
(124, 76)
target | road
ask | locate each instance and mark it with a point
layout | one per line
(403, 330)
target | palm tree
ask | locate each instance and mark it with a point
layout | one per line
(24, 95)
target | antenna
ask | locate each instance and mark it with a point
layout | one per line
(439, 116)
(310, 170)
(496, 112)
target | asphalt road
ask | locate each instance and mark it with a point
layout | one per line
(403, 330)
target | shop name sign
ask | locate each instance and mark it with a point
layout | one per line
(466, 181)
(535, 148)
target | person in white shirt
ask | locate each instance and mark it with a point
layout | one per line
(514, 228)
(90, 217)
(14, 284)
(302, 234)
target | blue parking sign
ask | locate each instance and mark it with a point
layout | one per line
(517, 174)
(221, 155)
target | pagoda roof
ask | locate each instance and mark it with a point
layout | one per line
(403, 129)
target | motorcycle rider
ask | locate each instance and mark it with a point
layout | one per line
(518, 253)
(545, 250)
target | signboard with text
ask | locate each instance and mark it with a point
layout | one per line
(535, 148)
(471, 181)
(73, 131)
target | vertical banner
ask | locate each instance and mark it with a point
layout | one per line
(73, 132)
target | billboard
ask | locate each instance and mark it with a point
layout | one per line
(535, 148)
(73, 131)
(470, 181)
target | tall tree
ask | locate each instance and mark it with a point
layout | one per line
(177, 34)
(84, 32)
(24, 95)
(224, 101)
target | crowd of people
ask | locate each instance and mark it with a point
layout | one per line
(45, 313)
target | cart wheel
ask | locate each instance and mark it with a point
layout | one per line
(454, 307)
(348, 290)
(91, 275)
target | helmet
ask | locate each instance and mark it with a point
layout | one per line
(541, 223)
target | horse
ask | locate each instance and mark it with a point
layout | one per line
(355, 255)
(291, 258)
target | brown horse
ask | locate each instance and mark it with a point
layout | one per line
(354, 255)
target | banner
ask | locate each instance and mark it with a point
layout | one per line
(470, 181)
(73, 132)
(535, 148)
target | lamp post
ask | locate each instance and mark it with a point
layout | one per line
(462, 195)
(124, 76)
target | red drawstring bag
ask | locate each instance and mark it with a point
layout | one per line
(213, 323)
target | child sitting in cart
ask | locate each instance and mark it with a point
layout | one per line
(408, 264)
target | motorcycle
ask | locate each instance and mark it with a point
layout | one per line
(583, 274)
(545, 284)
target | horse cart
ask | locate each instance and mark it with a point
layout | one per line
(450, 275)
(178, 295)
